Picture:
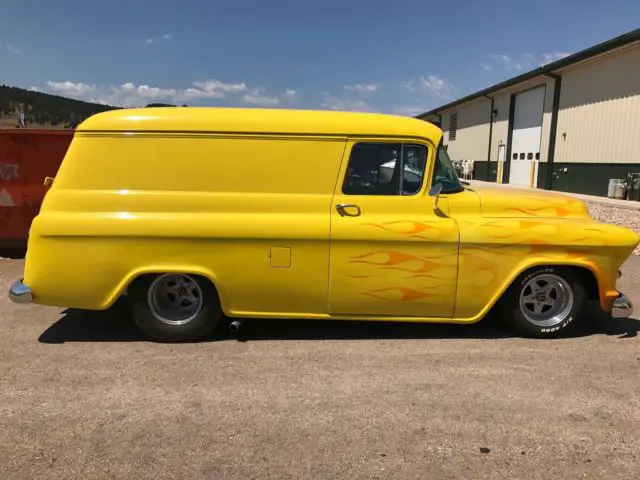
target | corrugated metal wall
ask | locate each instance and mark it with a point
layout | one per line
(501, 124)
(472, 138)
(547, 113)
(598, 123)
(599, 120)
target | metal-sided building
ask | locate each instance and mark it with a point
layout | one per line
(570, 125)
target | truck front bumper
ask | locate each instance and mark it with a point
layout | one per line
(622, 307)
(20, 293)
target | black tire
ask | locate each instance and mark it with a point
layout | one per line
(521, 317)
(199, 324)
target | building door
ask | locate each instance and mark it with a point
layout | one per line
(392, 253)
(527, 133)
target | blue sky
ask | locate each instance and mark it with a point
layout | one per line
(397, 56)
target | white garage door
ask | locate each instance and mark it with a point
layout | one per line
(527, 132)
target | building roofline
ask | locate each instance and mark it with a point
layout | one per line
(599, 49)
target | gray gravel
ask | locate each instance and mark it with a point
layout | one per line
(617, 216)
(84, 395)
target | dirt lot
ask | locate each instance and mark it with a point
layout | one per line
(83, 395)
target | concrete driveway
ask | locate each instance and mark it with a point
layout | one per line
(84, 395)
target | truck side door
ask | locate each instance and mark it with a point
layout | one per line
(392, 254)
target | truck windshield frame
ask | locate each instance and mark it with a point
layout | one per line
(445, 173)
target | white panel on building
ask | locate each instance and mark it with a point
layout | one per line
(527, 135)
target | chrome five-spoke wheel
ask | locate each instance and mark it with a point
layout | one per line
(175, 306)
(175, 298)
(546, 300)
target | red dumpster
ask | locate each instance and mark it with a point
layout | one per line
(26, 158)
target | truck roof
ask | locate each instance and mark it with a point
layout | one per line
(255, 120)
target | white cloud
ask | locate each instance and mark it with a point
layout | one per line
(290, 94)
(166, 37)
(97, 100)
(71, 88)
(408, 111)
(261, 100)
(436, 85)
(130, 95)
(431, 83)
(506, 59)
(525, 61)
(409, 85)
(342, 103)
(218, 89)
(363, 87)
(34, 89)
(12, 49)
(553, 57)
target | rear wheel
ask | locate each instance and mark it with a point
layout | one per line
(175, 307)
(545, 302)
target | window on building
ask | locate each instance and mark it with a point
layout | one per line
(453, 126)
(374, 169)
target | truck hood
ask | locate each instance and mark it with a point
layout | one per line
(512, 202)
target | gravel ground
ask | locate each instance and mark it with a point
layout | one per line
(84, 395)
(617, 216)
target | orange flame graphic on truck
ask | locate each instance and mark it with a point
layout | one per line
(422, 230)
(417, 267)
(405, 294)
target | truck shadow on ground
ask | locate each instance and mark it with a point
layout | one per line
(114, 325)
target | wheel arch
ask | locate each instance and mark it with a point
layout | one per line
(587, 273)
(153, 270)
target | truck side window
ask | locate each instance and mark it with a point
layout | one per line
(374, 169)
(415, 163)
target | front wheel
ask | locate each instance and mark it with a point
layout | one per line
(544, 302)
(175, 307)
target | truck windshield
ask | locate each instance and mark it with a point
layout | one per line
(445, 174)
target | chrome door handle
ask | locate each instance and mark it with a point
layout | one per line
(342, 209)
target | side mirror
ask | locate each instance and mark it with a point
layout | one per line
(435, 191)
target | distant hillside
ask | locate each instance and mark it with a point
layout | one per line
(42, 110)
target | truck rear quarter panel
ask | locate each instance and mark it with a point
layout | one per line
(221, 206)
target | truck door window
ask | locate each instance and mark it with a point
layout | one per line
(374, 169)
(415, 162)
